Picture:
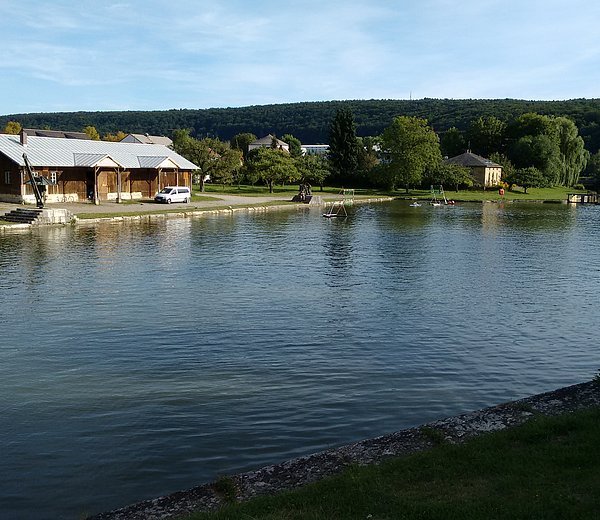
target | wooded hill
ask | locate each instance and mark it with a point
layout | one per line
(309, 121)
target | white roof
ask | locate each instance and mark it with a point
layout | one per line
(59, 153)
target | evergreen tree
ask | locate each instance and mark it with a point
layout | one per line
(343, 146)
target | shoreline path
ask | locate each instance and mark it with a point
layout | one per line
(149, 206)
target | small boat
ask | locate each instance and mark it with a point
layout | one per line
(415, 205)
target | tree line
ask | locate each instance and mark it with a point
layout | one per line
(310, 121)
(534, 150)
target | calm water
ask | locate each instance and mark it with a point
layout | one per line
(139, 359)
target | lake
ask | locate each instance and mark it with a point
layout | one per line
(137, 359)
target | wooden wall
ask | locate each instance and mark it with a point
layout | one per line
(76, 184)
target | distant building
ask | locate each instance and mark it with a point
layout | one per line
(315, 149)
(267, 142)
(77, 169)
(35, 132)
(485, 173)
(147, 139)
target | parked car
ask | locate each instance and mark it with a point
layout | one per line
(174, 194)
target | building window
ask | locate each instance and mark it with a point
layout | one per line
(7, 177)
(53, 177)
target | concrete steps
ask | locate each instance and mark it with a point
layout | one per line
(22, 215)
(35, 216)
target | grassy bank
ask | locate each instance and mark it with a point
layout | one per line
(553, 194)
(547, 468)
(544, 194)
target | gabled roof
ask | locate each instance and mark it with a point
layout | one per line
(471, 160)
(59, 153)
(151, 161)
(91, 160)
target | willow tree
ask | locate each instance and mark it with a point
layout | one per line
(409, 147)
(572, 154)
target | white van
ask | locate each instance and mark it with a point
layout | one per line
(173, 194)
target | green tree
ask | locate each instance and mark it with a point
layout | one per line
(92, 133)
(367, 156)
(449, 175)
(508, 167)
(529, 177)
(486, 135)
(214, 158)
(409, 146)
(272, 166)
(530, 124)
(241, 141)
(540, 151)
(313, 169)
(294, 143)
(12, 127)
(572, 154)
(343, 146)
(452, 142)
(592, 170)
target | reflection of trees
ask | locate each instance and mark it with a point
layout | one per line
(534, 216)
(338, 247)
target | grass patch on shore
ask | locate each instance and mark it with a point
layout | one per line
(547, 468)
(285, 191)
(550, 194)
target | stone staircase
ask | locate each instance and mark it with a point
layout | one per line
(22, 215)
(38, 216)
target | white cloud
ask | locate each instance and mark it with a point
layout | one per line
(211, 54)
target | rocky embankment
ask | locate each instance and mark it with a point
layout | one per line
(297, 472)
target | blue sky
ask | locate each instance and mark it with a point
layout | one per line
(66, 55)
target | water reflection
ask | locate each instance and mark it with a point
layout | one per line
(167, 352)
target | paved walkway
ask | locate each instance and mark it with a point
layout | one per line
(150, 206)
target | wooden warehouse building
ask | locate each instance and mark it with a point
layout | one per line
(82, 169)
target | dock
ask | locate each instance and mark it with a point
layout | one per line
(583, 198)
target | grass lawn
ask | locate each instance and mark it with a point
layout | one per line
(283, 191)
(549, 468)
(554, 194)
